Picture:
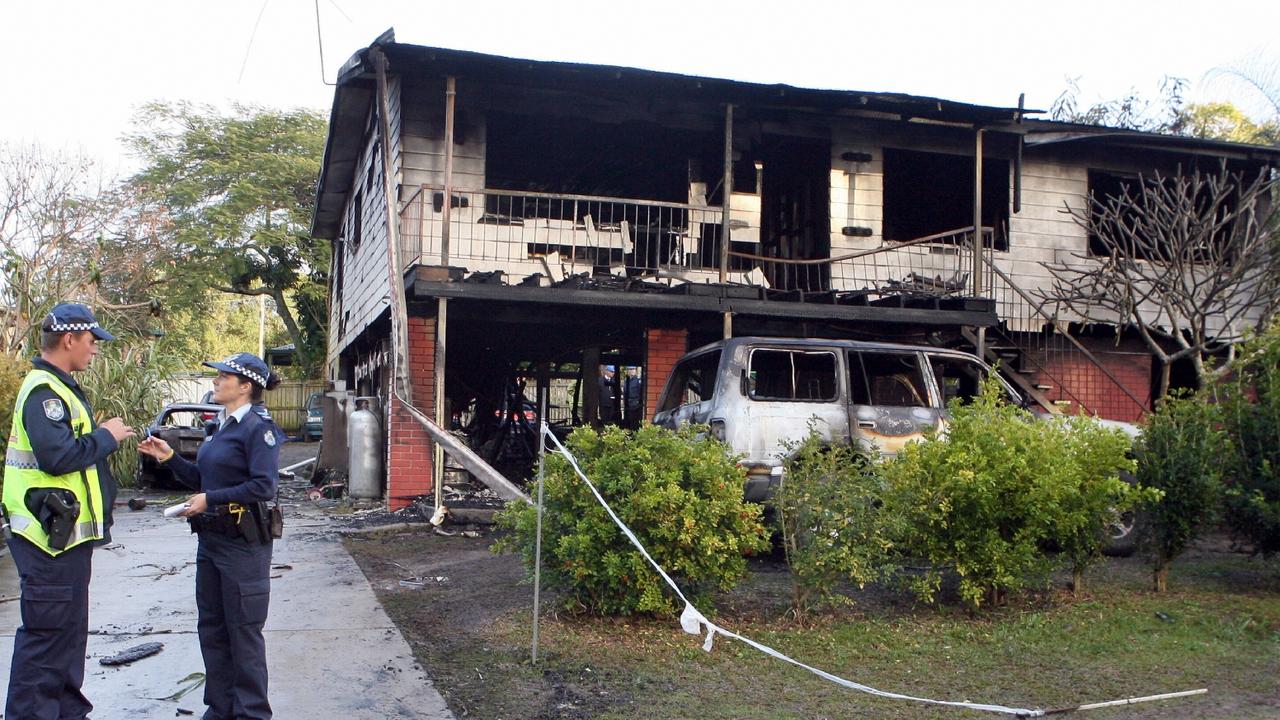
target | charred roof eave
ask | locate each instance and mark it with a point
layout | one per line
(628, 81)
(1043, 133)
(354, 94)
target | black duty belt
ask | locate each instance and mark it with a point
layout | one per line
(234, 520)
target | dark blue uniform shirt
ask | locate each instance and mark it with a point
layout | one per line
(239, 463)
(57, 449)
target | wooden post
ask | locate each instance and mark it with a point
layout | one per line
(442, 332)
(450, 98)
(977, 234)
(725, 234)
(399, 318)
(591, 386)
(977, 213)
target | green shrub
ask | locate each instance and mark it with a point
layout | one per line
(1181, 453)
(834, 528)
(1087, 491)
(128, 379)
(12, 370)
(1251, 417)
(989, 498)
(680, 492)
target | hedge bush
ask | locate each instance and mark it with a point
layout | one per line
(991, 496)
(12, 370)
(1181, 453)
(1251, 418)
(128, 379)
(680, 492)
(834, 526)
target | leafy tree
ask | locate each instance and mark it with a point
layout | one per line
(1131, 112)
(680, 493)
(1224, 121)
(66, 233)
(1180, 453)
(1171, 114)
(1251, 417)
(238, 192)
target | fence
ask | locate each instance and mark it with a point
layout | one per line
(288, 402)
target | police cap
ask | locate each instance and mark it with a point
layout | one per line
(70, 317)
(246, 365)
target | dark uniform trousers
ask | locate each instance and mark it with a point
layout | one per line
(49, 647)
(233, 589)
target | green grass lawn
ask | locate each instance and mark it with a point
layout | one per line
(1217, 628)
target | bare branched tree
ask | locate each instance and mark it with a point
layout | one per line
(1189, 261)
(66, 233)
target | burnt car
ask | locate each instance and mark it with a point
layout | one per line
(184, 426)
(761, 396)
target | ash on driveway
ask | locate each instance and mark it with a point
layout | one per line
(331, 649)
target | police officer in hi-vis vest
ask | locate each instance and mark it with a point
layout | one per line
(235, 472)
(58, 492)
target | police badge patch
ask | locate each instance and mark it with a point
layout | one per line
(270, 438)
(54, 409)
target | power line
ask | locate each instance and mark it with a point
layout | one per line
(252, 35)
(320, 42)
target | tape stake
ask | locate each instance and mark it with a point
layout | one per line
(1127, 701)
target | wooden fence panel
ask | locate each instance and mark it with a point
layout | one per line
(288, 402)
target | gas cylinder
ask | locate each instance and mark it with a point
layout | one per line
(364, 445)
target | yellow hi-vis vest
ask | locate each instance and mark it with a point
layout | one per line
(22, 474)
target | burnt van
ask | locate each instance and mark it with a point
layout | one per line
(759, 395)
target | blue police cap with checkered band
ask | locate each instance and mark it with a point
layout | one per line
(246, 365)
(70, 317)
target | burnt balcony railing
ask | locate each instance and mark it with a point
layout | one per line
(556, 236)
(523, 233)
(935, 265)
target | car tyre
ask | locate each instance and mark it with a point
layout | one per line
(1122, 535)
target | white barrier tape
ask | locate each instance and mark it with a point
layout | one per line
(692, 621)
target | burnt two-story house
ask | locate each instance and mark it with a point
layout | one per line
(576, 228)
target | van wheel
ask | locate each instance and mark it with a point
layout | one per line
(1122, 535)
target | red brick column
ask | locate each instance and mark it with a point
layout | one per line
(663, 348)
(409, 448)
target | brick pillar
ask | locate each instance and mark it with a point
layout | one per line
(662, 348)
(409, 448)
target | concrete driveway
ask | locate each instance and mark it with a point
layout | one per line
(332, 651)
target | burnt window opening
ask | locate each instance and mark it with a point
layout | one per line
(1124, 192)
(375, 160)
(887, 379)
(576, 156)
(929, 193)
(693, 380)
(356, 224)
(792, 375)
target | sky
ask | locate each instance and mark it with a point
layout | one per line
(76, 71)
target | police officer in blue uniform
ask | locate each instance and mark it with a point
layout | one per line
(236, 473)
(58, 493)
